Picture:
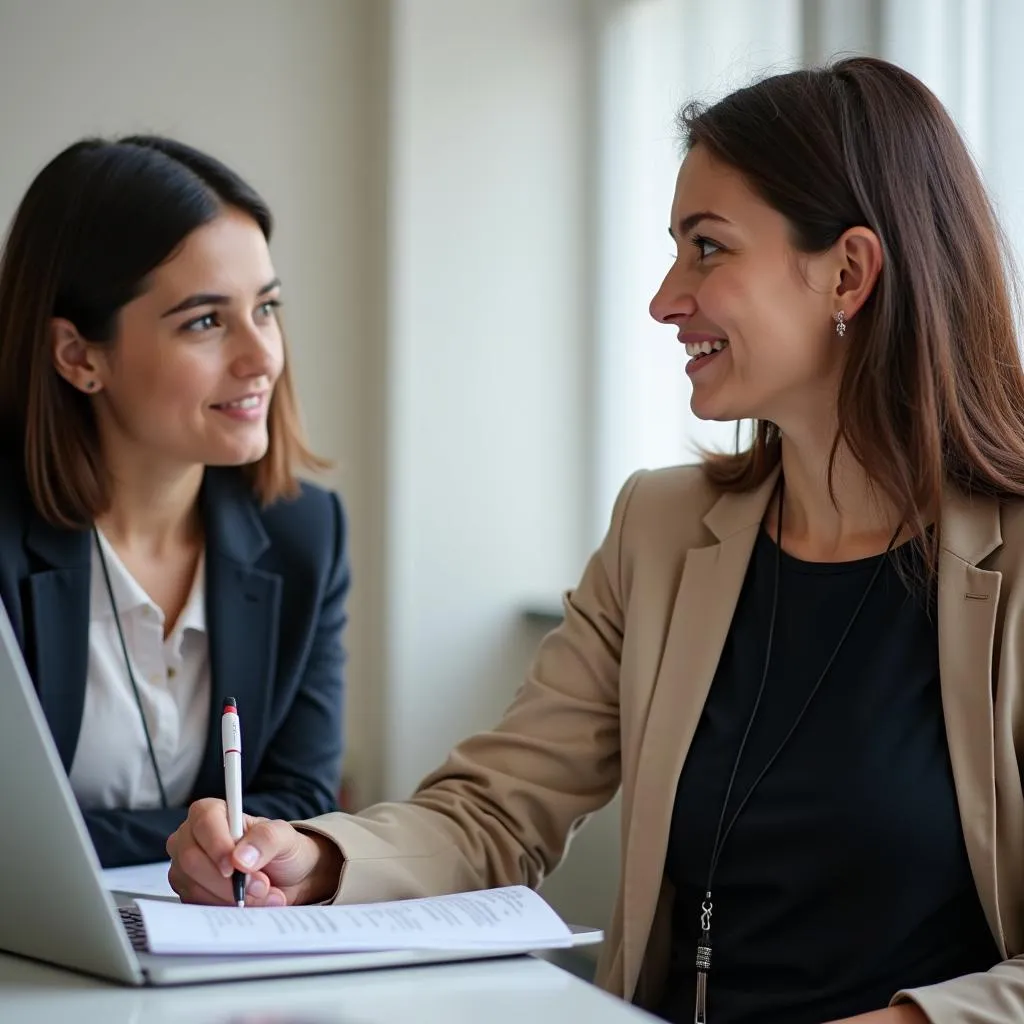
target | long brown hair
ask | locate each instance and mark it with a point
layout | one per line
(932, 389)
(93, 225)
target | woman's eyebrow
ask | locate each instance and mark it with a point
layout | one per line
(213, 299)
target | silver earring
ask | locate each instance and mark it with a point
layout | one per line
(840, 318)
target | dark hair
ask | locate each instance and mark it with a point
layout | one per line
(932, 388)
(95, 222)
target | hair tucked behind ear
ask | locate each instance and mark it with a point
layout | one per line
(933, 389)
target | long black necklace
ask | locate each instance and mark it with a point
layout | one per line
(128, 669)
(723, 830)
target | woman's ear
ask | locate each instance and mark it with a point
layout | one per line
(859, 255)
(74, 358)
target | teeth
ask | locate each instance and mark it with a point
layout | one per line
(243, 403)
(705, 348)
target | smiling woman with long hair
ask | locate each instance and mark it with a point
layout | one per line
(803, 663)
(157, 553)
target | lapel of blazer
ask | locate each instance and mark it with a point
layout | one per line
(243, 606)
(968, 599)
(59, 618)
(708, 591)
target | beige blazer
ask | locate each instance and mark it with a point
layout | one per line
(613, 699)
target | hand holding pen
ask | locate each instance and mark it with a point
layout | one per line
(283, 865)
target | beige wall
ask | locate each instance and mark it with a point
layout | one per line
(490, 369)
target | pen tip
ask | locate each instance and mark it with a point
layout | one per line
(241, 903)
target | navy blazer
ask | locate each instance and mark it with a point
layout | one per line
(276, 583)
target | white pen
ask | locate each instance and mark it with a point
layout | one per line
(231, 745)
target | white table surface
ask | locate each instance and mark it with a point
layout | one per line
(515, 990)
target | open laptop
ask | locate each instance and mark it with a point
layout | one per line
(53, 902)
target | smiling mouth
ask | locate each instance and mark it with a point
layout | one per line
(249, 402)
(701, 349)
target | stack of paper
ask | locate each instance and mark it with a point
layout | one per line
(508, 918)
(144, 879)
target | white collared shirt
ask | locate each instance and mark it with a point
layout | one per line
(112, 767)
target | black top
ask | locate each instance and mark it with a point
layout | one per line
(276, 585)
(846, 876)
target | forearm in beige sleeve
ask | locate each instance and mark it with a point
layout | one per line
(504, 806)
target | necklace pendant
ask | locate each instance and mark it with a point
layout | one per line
(703, 963)
(700, 1010)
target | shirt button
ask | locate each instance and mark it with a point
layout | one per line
(171, 673)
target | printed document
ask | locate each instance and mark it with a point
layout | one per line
(509, 917)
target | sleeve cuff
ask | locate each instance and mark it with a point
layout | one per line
(307, 827)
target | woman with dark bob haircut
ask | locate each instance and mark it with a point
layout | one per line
(802, 663)
(157, 553)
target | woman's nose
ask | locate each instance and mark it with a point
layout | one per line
(259, 352)
(674, 299)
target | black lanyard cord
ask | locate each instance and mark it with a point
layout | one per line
(722, 832)
(131, 674)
